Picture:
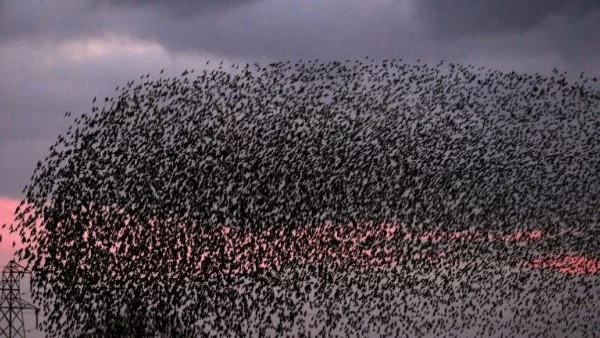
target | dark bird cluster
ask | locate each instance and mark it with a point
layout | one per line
(323, 199)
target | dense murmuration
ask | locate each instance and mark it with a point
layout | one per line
(304, 199)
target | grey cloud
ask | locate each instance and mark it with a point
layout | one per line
(241, 28)
(452, 19)
(59, 20)
(177, 8)
(292, 30)
(327, 29)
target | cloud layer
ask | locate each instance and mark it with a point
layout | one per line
(454, 19)
(56, 56)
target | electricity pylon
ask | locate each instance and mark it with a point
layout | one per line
(11, 303)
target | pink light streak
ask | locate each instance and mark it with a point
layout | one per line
(317, 245)
(567, 264)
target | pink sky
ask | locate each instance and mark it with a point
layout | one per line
(349, 237)
(7, 210)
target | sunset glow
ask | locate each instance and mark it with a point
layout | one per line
(278, 250)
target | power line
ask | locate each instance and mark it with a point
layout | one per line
(11, 303)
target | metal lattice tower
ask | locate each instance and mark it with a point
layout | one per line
(11, 303)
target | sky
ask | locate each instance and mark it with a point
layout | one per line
(56, 56)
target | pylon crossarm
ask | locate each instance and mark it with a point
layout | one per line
(25, 305)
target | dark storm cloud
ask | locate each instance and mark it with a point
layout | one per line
(451, 19)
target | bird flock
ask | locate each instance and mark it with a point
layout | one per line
(356, 198)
